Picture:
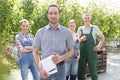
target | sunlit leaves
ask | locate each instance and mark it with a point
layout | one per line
(12, 11)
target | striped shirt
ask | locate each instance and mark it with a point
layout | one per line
(20, 38)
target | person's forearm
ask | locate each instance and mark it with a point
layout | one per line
(67, 54)
(102, 39)
(27, 49)
(36, 58)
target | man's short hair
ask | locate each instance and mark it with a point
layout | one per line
(86, 14)
(54, 5)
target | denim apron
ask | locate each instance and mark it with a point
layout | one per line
(26, 60)
(72, 64)
(87, 55)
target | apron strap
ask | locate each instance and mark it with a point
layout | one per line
(91, 30)
(81, 32)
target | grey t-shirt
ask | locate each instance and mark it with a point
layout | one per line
(50, 41)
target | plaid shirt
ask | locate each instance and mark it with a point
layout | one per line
(21, 38)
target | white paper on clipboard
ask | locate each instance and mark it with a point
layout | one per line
(48, 65)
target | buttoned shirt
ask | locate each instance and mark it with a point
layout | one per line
(50, 40)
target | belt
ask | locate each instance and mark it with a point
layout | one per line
(61, 63)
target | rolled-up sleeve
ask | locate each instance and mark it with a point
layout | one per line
(18, 43)
(97, 31)
(37, 40)
(70, 41)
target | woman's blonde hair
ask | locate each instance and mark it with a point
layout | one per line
(24, 20)
(72, 21)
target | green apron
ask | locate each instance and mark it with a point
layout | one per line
(87, 55)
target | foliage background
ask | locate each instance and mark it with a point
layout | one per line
(12, 11)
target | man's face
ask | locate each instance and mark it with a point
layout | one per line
(53, 15)
(72, 26)
(87, 19)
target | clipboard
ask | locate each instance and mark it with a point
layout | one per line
(48, 65)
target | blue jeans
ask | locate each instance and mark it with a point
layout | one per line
(26, 62)
(60, 75)
(71, 67)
